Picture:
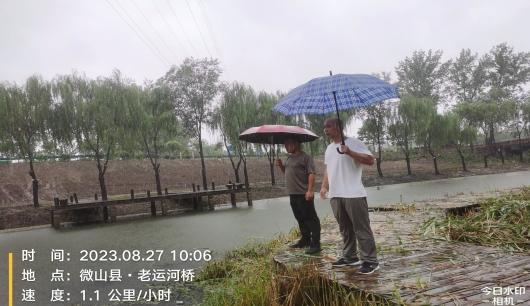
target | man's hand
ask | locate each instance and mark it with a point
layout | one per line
(323, 192)
(309, 196)
(362, 158)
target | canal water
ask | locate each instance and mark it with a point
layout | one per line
(180, 242)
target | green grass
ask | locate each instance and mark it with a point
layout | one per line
(249, 276)
(502, 221)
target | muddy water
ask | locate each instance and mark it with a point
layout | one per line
(216, 231)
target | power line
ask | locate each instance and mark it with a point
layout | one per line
(181, 27)
(204, 12)
(198, 28)
(181, 44)
(137, 34)
(154, 29)
(144, 34)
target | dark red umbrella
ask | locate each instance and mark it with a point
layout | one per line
(276, 134)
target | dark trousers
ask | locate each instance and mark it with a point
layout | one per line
(306, 215)
(354, 225)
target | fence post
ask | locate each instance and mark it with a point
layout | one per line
(153, 206)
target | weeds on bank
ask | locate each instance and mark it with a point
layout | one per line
(502, 221)
(306, 286)
(249, 276)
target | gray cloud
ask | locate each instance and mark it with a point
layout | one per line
(271, 45)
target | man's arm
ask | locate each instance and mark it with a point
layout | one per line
(365, 159)
(325, 185)
(310, 194)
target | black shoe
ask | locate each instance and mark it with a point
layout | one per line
(299, 244)
(313, 250)
(342, 262)
(369, 267)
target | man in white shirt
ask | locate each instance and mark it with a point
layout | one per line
(342, 180)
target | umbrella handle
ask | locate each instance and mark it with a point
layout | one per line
(338, 148)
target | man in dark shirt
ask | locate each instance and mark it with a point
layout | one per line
(299, 170)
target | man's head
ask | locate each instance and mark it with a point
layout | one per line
(332, 128)
(292, 145)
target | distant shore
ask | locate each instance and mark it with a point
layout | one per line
(25, 215)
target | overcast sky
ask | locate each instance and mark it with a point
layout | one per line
(270, 45)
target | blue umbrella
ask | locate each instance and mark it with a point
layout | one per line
(335, 92)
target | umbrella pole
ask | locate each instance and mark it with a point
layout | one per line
(338, 117)
(340, 124)
(273, 148)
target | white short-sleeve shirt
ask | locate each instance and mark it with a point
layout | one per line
(344, 173)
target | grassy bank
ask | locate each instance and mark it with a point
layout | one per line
(502, 221)
(249, 276)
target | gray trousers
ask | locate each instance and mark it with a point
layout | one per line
(354, 225)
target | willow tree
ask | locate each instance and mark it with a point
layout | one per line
(403, 125)
(98, 112)
(430, 128)
(236, 112)
(374, 129)
(26, 116)
(4, 140)
(266, 102)
(461, 134)
(153, 124)
(194, 84)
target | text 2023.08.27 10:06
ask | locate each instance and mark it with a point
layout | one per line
(144, 255)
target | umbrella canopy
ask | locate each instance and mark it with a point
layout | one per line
(350, 91)
(276, 134)
(335, 92)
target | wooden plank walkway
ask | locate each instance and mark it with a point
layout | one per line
(418, 271)
(62, 206)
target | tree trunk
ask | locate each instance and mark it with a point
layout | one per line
(236, 169)
(156, 168)
(485, 161)
(492, 134)
(501, 154)
(102, 186)
(520, 147)
(462, 159)
(34, 184)
(379, 160)
(379, 171)
(435, 161)
(203, 166)
(245, 173)
(247, 183)
(407, 158)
